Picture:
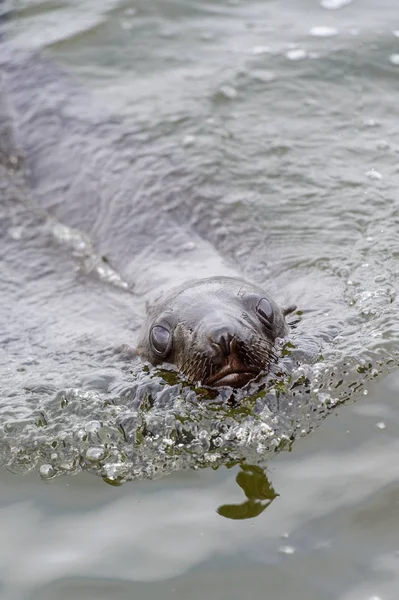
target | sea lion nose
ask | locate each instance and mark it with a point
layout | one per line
(222, 337)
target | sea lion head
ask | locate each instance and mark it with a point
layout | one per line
(218, 331)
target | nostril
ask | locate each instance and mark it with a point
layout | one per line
(224, 340)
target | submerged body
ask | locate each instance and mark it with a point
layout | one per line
(218, 331)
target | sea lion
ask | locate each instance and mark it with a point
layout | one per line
(219, 331)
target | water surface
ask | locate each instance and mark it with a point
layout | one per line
(158, 140)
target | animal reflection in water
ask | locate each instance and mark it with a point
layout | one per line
(219, 331)
(258, 490)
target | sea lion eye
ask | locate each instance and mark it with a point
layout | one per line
(264, 310)
(161, 340)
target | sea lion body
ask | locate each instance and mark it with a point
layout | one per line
(217, 331)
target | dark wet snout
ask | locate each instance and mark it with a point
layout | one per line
(224, 338)
(231, 363)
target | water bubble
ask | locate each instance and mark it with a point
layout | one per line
(92, 426)
(130, 12)
(46, 471)
(296, 54)
(396, 32)
(95, 454)
(394, 58)
(323, 31)
(381, 425)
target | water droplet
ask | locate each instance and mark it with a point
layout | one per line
(92, 426)
(95, 454)
(373, 174)
(396, 32)
(394, 58)
(46, 471)
(323, 31)
(296, 54)
(381, 425)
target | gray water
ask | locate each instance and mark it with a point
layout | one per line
(142, 144)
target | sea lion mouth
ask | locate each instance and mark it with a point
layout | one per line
(232, 376)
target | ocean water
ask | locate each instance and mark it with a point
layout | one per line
(141, 143)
